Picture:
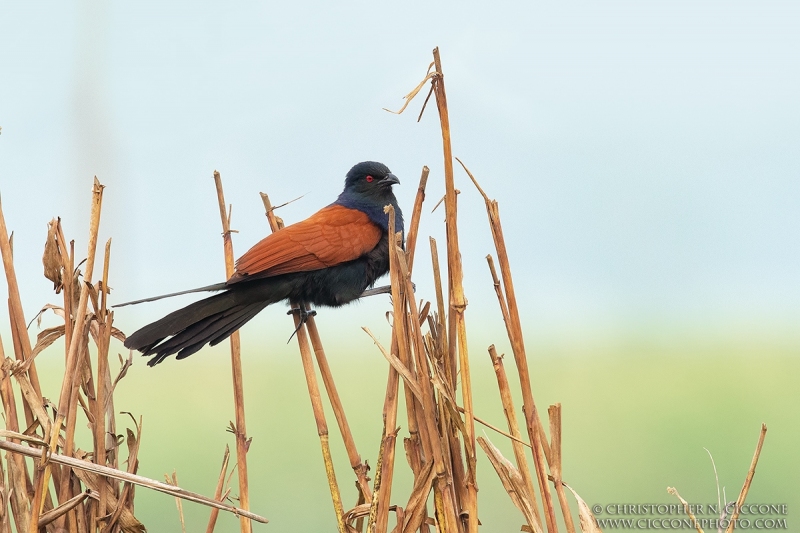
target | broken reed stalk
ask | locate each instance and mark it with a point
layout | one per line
(313, 388)
(15, 304)
(458, 302)
(508, 305)
(71, 372)
(444, 498)
(240, 431)
(174, 482)
(554, 414)
(212, 520)
(17, 469)
(135, 479)
(390, 402)
(103, 375)
(356, 463)
(748, 480)
(513, 428)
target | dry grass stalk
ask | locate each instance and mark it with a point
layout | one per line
(67, 404)
(554, 412)
(513, 428)
(512, 481)
(90, 495)
(458, 303)
(442, 484)
(587, 519)
(687, 508)
(104, 471)
(240, 428)
(174, 481)
(212, 520)
(748, 479)
(67, 506)
(313, 389)
(508, 305)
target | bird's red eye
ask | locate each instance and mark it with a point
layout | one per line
(370, 178)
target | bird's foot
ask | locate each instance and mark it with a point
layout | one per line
(303, 318)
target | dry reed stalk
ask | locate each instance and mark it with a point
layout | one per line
(358, 466)
(748, 480)
(512, 482)
(391, 399)
(415, 445)
(449, 363)
(513, 428)
(240, 430)
(174, 482)
(313, 388)
(100, 411)
(212, 520)
(508, 305)
(554, 412)
(686, 508)
(15, 303)
(440, 481)
(67, 506)
(71, 374)
(458, 302)
(121, 475)
(17, 469)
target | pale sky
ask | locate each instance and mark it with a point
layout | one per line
(644, 154)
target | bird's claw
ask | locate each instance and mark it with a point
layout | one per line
(304, 314)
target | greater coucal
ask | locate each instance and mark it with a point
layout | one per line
(328, 259)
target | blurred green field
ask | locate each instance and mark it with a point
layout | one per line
(636, 415)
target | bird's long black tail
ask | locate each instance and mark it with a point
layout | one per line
(209, 321)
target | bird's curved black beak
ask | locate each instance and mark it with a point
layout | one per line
(391, 179)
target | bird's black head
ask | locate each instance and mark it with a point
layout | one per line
(370, 178)
(368, 188)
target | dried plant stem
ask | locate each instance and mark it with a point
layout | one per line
(102, 385)
(686, 508)
(72, 369)
(428, 416)
(554, 412)
(212, 520)
(458, 302)
(319, 417)
(449, 363)
(313, 389)
(242, 443)
(748, 480)
(15, 303)
(513, 428)
(67, 506)
(356, 463)
(17, 469)
(508, 305)
(391, 399)
(128, 478)
(174, 482)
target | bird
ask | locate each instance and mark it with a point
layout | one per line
(328, 259)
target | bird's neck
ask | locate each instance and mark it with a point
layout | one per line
(373, 206)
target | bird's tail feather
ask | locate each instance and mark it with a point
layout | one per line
(207, 288)
(209, 321)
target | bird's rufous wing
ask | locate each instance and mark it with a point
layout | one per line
(332, 235)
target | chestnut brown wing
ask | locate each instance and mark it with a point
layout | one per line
(331, 236)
